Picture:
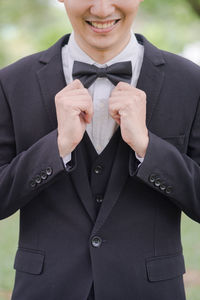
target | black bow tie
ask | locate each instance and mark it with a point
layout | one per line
(87, 73)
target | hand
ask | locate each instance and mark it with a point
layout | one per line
(74, 110)
(127, 106)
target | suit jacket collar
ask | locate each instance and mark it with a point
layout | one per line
(151, 52)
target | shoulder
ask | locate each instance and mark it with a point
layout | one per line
(181, 66)
(21, 66)
(29, 64)
(177, 68)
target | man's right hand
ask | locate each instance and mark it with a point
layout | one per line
(74, 110)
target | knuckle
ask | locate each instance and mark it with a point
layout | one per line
(142, 94)
(85, 90)
(58, 98)
(76, 81)
(66, 106)
(129, 105)
(110, 104)
(121, 84)
(114, 93)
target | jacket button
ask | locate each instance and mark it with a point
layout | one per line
(96, 242)
(157, 182)
(49, 171)
(33, 184)
(168, 190)
(99, 199)
(98, 169)
(162, 187)
(43, 175)
(152, 178)
(38, 179)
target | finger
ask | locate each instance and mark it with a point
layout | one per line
(115, 115)
(86, 107)
(122, 93)
(76, 84)
(88, 114)
(117, 119)
(76, 92)
(123, 86)
(114, 109)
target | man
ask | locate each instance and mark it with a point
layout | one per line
(100, 180)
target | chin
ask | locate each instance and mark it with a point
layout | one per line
(102, 44)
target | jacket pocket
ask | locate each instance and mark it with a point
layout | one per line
(29, 261)
(165, 267)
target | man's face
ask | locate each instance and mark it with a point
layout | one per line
(101, 25)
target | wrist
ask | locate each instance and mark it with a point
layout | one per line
(141, 150)
(64, 147)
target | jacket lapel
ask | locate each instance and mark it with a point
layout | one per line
(150, 81)
(81, 182)
(51, 79)
(151, 75)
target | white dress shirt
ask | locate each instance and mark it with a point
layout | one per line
(102, 126)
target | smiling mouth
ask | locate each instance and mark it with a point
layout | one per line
(102, 25)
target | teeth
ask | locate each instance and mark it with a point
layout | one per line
(102, 26)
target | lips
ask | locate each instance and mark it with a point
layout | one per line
(103, 25)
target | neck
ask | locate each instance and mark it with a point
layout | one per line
(103, 55)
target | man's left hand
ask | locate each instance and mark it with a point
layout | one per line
(127, 106)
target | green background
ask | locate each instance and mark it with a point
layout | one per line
(30, 26)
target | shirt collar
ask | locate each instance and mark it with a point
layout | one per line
(128, 53)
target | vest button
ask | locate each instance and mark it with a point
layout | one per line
(99, 199)
(98, 169)
(96, 242)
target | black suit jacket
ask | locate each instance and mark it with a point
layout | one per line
(140, 256)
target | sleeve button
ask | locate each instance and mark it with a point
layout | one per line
(152, 178)
(38, 179)
(157, 182)
(43, 175)
(168, 190)
(33, 184)
(162, 187)
(49, 171)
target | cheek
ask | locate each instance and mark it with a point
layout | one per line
(74, 9)
(129, 7)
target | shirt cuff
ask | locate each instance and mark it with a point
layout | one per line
(141, 159)
(67, 159)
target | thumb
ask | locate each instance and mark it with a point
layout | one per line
(77, 84)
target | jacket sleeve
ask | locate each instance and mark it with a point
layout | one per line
(24, 175)
(174, 174)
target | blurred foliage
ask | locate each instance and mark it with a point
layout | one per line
(170, 24)
(30, 26)
(195, 5)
